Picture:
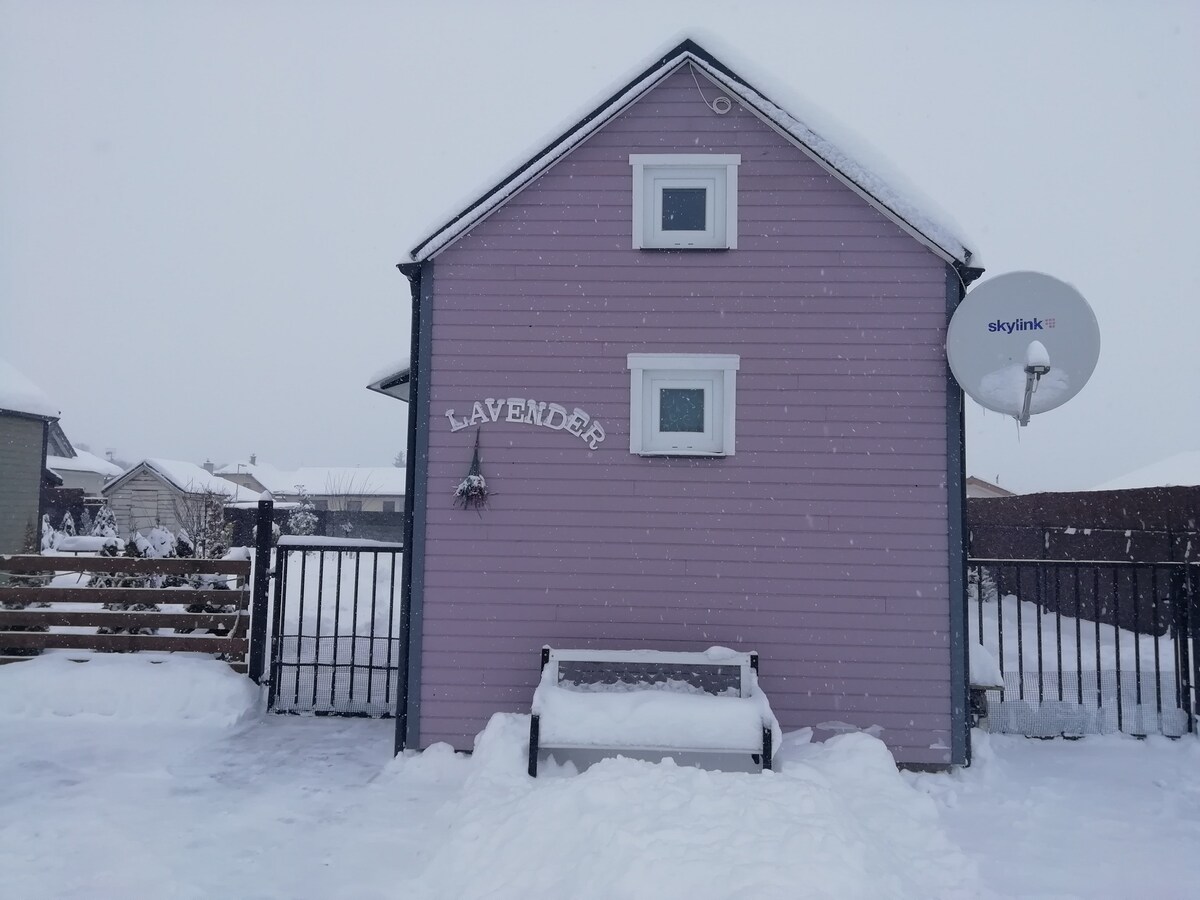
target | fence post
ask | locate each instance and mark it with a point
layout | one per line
(264, 525)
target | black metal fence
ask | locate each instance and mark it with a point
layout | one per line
(336, 634)
(1086, 647)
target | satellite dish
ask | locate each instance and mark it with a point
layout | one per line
(1023, 343)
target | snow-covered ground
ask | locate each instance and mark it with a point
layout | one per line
(187, 791)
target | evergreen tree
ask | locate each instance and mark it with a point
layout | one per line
(85, 522)
(68, 524)
(50, 537)
(303, 519)
(105, 523)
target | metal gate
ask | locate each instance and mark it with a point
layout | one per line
(1088, 647)
(336, 629)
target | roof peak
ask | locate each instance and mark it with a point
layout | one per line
(880, 193)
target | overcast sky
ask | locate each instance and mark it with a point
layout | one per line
(202, 204)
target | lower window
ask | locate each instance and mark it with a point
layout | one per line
(682, 404)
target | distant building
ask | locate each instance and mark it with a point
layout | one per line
(26, 417)
(1180, 470)
(161, 492)
(977, 487)
(78, 469)
(333, 488)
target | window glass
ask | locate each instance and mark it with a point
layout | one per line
(683, 209)
(681, 409)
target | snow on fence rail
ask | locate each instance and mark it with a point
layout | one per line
(1068, 665)
(54, 602)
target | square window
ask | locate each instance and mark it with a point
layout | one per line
(681, 409)
(682, 404)
(684, 209)
(684, 201)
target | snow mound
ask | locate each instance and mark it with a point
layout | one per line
(128, 688)
(837, 821)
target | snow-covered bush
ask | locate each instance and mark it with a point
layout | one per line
(105, 523)
(303, 519)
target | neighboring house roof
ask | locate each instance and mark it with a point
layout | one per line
(357, 481)
(393, 382)
(1180, 470)
(188, 478)
(20, 395)
(977, 487)
(83, 461)
(915, 217)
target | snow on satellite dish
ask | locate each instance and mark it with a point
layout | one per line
(1023, 343)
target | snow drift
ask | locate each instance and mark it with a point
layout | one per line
(139, 688)
(836, 821)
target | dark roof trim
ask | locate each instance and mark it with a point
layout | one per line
(687, 50)
(394, 385)
(687, 46)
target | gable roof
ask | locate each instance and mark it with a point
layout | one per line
(1180, 470)
(188, 478)
(83, 461)
(909, 215)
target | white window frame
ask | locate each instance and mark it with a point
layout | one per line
(715, 373)
(716, 172)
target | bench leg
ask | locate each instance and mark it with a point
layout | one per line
(534, 728)
(766, 754)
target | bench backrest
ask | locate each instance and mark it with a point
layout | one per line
(711, 673)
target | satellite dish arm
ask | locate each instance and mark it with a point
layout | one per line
(1037, 364)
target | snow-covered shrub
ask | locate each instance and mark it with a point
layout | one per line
(303, 519)
(105, 523)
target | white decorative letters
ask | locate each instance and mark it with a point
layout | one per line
(552, 410)
(532, 412)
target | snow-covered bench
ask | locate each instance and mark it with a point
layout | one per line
(649, 701)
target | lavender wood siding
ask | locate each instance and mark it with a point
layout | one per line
(822, 543)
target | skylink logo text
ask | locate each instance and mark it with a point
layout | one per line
(1019, 325)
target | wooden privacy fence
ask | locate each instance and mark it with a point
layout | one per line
(30, 621)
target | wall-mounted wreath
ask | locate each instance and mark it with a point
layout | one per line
(472, 491)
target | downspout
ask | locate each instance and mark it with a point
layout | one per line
(411, 271)
(958, 279)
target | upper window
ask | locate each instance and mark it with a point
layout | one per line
(684, 200)
(682, 404)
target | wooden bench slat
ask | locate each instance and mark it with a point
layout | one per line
(110, 565)
(239, 597)
(122, 642)
(104, 619)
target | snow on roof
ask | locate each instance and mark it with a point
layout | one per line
(394, 382)
(382, 373)
(364, 481)
(847, 158)
(83, 461)
(1180, 470)
(20, 395)
(191, 479)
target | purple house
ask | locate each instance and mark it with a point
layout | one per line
(700, 351)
